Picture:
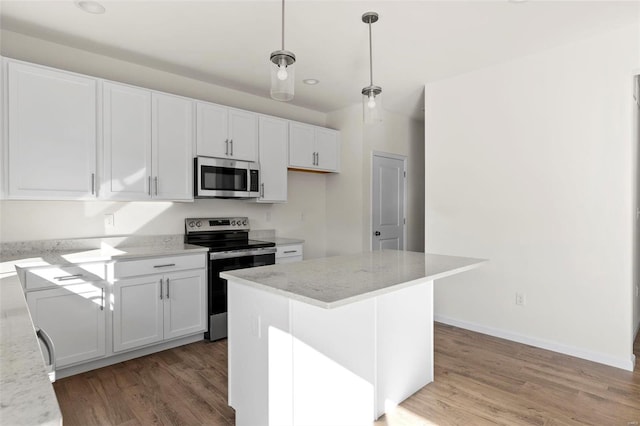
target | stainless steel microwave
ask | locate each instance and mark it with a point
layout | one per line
(220, 178)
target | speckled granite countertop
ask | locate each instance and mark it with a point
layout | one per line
(26, 395)
(336, 281)
(30, 254)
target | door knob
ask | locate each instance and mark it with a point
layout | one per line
(377, 233)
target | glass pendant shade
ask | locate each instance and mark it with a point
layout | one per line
(282, 75)
(372, 104)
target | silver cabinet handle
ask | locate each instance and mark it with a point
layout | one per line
(166, 265)
(226, 147)
(313, 156)
(290, 251)
(262, 190)
(48, 343)
(231, 147)
(156, 183)
(167, 288)
(93, 183)
(160, 288)
(102, 301)
(317, 158)
(68, 277)
(149, 185)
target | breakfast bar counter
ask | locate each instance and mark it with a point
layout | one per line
(332, 341)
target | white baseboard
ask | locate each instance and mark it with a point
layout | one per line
(625, 364)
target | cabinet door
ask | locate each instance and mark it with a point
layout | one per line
(51, 133)
(211, 130)
(243, 135)
(301, 145)
(273, 143)
(172, 148)
(137, 312)
(127, 142)
(185, 308)
(328, 149)
(75, 318)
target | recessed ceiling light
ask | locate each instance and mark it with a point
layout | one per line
(90, 6)
(311, 81)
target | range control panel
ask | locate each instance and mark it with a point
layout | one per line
(209, 224)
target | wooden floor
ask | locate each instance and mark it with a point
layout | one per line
(478, 380)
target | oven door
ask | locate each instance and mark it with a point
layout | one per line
(216, 177)
(217, 298)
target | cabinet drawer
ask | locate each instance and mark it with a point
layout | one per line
(158, 265)
(289, 251)
(64, 275)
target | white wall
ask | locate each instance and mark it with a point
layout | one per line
(532, 164)
(304, 216)
(349, 193)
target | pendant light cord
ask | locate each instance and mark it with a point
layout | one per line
(370, 56)
(282, 24)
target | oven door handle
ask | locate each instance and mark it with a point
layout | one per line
(241, 253)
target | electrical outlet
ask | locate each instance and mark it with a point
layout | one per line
(109, 220)
(520, 299)
(636, 290)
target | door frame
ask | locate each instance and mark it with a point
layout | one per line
(403, 158)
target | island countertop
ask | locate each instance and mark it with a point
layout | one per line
(336, 281)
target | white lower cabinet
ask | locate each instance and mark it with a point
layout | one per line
(97, 312)
(74, 316)
(154, 308)
(137, 312)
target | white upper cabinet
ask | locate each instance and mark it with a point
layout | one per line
(172, 148)
(273, 143)
(148, 144)
(51, 133)
(314, 148)
(127, 142)
(226, 132)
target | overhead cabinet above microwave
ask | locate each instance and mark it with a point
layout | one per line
(224, 132)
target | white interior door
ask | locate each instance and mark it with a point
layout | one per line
(387, 202)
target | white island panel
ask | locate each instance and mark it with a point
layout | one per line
(335, 341)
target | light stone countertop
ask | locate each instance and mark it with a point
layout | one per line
(105, 254)
(336, 281)
(26, 394)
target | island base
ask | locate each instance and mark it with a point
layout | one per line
(292, 363)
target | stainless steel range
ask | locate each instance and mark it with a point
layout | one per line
(229, 248)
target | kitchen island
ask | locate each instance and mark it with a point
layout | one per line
(332, 341)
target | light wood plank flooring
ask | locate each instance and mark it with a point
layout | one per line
(478, 380)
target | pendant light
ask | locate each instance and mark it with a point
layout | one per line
(282, 71)
(371, 95)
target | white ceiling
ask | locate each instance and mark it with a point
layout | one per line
(228, 42)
